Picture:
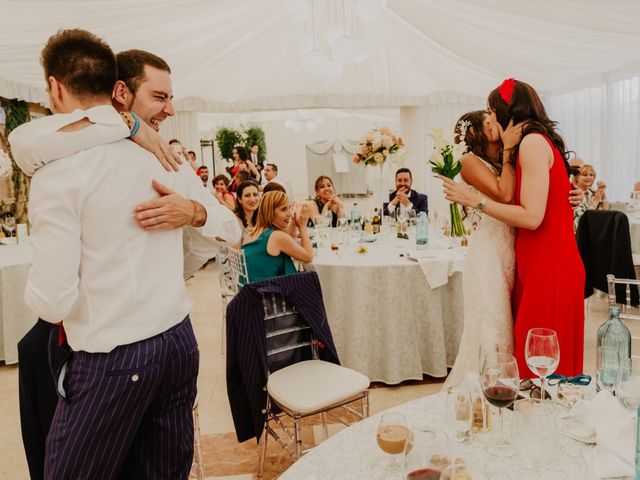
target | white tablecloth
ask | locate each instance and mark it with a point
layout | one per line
(386, 320)
(15, 317)
(353, 454)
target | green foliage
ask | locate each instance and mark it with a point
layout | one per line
(228, 138)
(447, 167)
(254, 135)
(17, 113)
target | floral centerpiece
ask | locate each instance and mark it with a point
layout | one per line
(376, 146)
(445, 161)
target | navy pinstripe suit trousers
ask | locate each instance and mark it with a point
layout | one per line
(127, 414)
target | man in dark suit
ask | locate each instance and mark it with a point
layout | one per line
(404, 197)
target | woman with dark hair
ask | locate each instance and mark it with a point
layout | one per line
(241, 157)
(490, 259)
(326, 200)
(247, 202)
(221, 192)
(550, 276)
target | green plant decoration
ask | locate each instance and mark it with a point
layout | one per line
(254, 135)
(17, 113)
(228, 138)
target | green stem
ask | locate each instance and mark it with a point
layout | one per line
(457, 227)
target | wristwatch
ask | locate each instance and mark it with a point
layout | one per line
(481, 204)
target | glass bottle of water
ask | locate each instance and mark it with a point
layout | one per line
(356, 216)
(615, 339)
(422, 231)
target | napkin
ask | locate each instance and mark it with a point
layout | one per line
(438, 269)
(615, 428)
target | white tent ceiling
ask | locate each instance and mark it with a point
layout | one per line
(242, 55)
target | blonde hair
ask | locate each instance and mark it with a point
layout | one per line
(586, 168)
(266, 211)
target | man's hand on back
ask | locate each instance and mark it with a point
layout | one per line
(169, 211)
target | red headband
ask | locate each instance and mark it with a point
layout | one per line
(506, 90)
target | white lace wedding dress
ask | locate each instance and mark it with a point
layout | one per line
(487, 282)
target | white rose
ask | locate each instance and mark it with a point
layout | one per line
(378, 157)
(387, 141)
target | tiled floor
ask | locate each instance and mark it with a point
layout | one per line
(224, 458)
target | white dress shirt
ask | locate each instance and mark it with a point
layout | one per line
(39, 142)
(111, 282)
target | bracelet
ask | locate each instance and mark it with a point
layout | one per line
(195, 211)
(136, 124)
(128, 119)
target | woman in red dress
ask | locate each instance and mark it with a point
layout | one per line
(550, 275)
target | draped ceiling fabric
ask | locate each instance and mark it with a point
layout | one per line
(241, 55)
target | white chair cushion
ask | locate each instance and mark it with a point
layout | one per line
(314, 385)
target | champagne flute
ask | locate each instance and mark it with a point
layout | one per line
(542, 352)
(500, 385)
(392, 435)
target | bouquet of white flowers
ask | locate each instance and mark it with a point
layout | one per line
(445, 161)
(376, 146)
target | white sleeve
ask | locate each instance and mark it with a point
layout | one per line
(55, 206)
(221, 222)
(39, 142)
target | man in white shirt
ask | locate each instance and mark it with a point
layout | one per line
(203, 172)
(144, 88)
(127, 395)
(271, 176)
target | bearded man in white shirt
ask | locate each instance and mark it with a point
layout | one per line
(129, 388)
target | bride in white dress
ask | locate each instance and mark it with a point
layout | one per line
(490, 262)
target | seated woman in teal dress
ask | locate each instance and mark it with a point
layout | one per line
(269, 249)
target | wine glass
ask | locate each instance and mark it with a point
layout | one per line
(392, 435)
(500, 385)
(426, 454)
(542, 352)
(459, 411)
(628, 384)
(10, 224)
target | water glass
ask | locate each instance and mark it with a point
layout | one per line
(628, 384)
(607, 365)
(459, 412)
(535, 436)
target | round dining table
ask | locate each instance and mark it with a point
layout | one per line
(395, 313)
(353, 452)
(16, 318)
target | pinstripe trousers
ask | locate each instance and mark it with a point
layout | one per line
(127, 414)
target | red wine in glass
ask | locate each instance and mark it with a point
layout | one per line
(500, 396)
(424, 474)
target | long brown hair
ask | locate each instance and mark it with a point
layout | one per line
(526, 105)
(474, 136)
(239, 210)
